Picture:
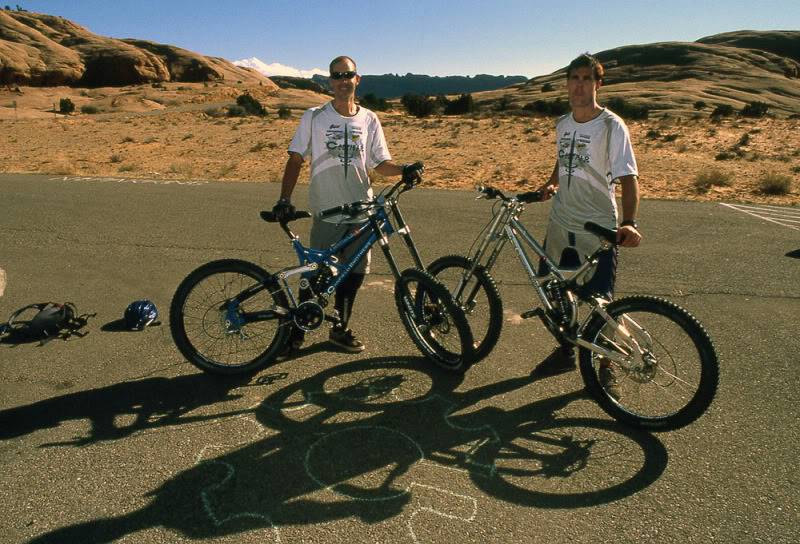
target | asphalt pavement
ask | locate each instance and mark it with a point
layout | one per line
(115, 437)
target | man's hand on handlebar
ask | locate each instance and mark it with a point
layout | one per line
(283, 210)
(412, 173)
(548, 190)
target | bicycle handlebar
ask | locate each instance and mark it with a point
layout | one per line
(270, 217)
(527, 197)
(353, 209)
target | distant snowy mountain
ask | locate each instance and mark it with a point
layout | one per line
(277, 69)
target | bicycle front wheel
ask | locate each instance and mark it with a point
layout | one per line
(210, 326)
(437, 326)
(476, 294)
(671, 371)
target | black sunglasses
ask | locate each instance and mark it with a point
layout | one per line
(343, 75)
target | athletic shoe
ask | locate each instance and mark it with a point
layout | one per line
(346, 340)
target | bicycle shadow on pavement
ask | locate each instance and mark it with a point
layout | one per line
(372, 432)
(148, 403)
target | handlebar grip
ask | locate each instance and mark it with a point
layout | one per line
(609, 235)
(333, 211)
(270, 217)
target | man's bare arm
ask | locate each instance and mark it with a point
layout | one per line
(291, 174)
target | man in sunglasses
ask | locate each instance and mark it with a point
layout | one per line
(343, 141)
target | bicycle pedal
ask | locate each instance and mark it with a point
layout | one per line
(536, 312)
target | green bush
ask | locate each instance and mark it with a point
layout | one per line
(547, 87)
(284, 113)
(65, 105)
(88, 108)
(461, 105)
(711, 177)
(775, 184)
(723, 110)
(555, 108)
(236, 111)
(418, 106)
(700, 105)
(373, 102)
(755, 109)
(250, 105)
(625, 109)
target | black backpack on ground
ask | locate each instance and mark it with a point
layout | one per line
(51, 320)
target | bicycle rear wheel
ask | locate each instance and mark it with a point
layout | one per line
(674, 368)
(210, 327)
(437, 326)
(478, 297)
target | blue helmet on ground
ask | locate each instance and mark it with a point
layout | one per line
(140, 314)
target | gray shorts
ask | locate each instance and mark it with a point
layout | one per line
(324, 235)
(569, 250)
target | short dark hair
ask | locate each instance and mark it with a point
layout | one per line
(339, 59)
(588, 61)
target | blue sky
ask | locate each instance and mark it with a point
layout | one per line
(436, 37)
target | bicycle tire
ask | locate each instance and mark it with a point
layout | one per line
(663, 382)
(449, 270)
(248, 348)
(431, 324)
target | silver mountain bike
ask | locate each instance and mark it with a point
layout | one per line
(664, 362)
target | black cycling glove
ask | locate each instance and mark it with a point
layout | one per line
(283, 210)
(412, 173)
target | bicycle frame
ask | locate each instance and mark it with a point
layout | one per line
(380, 228)
(505, 227)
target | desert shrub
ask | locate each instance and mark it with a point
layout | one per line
(127, 140)
(794, 116)
(502, 103)
(775, 184)
(555, 108)
(653, 134)
(722, 110)
(461, 105)
(126, 168)
(65, 105)
(214, 112)
(88, 108)
(700, 105)
(250, 105)
(755, 109)
(709, 178)
(236, 111)
(116, 158)
(547, 87)
(725, 155)
(796, 169)
(418, 106)
(627, 110)
(284, 112)
(373, 102)
(744, 140)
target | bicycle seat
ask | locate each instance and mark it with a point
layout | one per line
(269, 217)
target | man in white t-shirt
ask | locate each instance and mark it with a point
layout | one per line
(343, 141)
(594, 155)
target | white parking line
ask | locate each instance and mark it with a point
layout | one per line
(2, 281)
(781, 216)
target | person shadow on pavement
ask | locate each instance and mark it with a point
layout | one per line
(150, 403)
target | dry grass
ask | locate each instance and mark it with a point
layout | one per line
(513, 152)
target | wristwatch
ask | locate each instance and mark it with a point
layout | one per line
(630, 223)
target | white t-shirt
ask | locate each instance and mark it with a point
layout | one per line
(591, 156)
(342, 150)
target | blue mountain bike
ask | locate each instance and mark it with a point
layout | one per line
(232, 316)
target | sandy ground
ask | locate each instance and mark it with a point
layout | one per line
(179, 132)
